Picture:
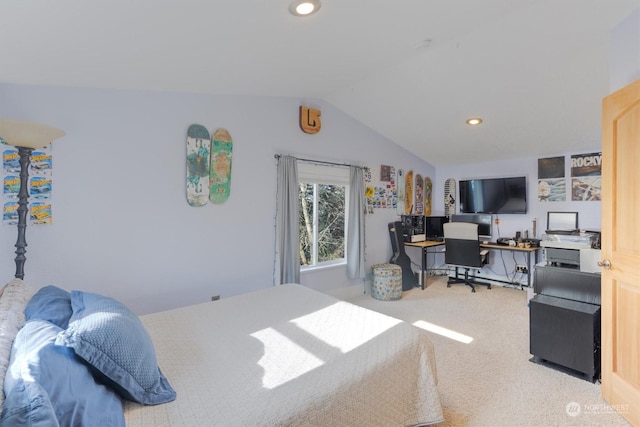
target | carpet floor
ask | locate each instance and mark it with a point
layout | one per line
(485, 377)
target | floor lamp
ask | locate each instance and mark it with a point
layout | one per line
(25, 136)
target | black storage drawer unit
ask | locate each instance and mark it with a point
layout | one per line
(566, 333)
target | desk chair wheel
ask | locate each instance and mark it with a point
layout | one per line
(465, 280)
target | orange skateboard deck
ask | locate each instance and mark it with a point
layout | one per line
(408, 193)
(221, 156)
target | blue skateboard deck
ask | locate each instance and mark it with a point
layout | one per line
(198, 161)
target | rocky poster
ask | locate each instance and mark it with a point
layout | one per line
(586, 177)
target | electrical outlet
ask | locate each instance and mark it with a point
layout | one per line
(521, 269)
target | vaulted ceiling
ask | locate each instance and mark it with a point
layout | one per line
(412, 70)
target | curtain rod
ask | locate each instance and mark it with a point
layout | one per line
(277, 156)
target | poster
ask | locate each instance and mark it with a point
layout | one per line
(552, 190)
(552, 186)
(39, 185)
(385, 173)
(384, 195)
(586, 177)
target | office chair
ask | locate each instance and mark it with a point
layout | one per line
(462, 249)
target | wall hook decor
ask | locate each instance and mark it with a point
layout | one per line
(309, 120)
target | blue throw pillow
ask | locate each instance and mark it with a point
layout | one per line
(51, 304)
(111, 338)
(48, 385)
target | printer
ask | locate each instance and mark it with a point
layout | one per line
(579, 250)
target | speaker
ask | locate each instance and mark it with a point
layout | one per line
(413, 226)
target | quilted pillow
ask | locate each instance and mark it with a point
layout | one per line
(14, 299)
(51, 385)
(111, 339)
(51, 304)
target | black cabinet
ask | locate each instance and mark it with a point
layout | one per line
(566, 333)
(564, 320)
(568, 283)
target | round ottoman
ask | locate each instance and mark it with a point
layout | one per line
(387, 282)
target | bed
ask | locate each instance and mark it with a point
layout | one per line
(286, 355)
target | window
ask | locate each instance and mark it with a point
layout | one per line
(323, 195)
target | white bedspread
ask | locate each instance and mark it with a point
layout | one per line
(290, 356)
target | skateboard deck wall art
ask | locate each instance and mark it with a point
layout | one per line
(428, 192)
(400, 183)
(408, 193)
(221, 156)
(198, 163)
(450, 197)
(419, 196)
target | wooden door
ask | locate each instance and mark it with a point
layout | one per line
(621, 248)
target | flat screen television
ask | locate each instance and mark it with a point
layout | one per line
(433, 226)
(494, 195)
(483, 220)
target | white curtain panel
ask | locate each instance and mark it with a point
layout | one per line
(288, 233)
(355, 228)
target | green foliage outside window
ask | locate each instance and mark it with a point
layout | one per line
(322, 223)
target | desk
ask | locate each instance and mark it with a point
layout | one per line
(491, 246)
(425, 245)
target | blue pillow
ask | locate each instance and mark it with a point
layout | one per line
(48, 385)
(111, 338)
(51, 304)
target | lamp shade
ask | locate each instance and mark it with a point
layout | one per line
(27, 134)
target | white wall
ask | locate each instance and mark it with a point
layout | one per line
(121, 223)
(625, 52)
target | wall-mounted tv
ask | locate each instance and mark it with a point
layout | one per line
(494, 195)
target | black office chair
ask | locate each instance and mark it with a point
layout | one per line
(462, 250)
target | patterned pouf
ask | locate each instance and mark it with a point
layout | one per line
(387, 282)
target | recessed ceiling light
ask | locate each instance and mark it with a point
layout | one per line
(304, 7)
(474, 121)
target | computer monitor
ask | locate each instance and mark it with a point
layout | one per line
(433, 226)
(483, 220)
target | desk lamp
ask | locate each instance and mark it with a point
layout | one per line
(25, 136)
